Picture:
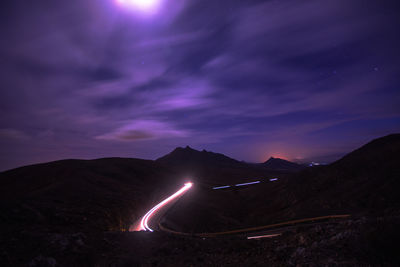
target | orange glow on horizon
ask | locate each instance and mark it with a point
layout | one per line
(280, 156)
(276, 155)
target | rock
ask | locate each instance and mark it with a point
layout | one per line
(60, 240)
(302, 240)
(299, 252)
(43, 262)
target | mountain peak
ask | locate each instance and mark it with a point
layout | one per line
(186, 148)
(282, 164)
(189, 155)
(271, 159)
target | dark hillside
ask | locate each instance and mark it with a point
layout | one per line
(88, 195)
(365, 181)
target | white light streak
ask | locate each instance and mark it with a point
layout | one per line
(221, 187)
(144, 226)
(256, 182)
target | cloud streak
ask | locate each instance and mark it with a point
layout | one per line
(142, 130)
(239, 77)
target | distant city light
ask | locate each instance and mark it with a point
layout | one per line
(316, 164)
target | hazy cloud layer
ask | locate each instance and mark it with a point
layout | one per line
(296, 79)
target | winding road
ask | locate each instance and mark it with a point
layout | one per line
(265, 231)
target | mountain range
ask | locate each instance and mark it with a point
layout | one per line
(192, 157)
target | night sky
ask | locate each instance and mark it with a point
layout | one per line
(301, 80)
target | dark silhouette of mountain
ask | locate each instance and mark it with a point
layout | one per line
(215, 168)
(190, 156)
(281, 164)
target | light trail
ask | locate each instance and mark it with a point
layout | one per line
(227, 186)
(256, 182)
(273, 179)
(221, 187)
(144, 226)
(263, 236)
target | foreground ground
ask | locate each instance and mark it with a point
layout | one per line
(362, 241)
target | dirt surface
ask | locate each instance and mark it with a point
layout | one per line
(352, 242)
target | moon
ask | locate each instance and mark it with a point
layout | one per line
(146, 6)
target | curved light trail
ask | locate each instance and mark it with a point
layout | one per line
(144, 226)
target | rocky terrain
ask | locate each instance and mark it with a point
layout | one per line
(361, 241)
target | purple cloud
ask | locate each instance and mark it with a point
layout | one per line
(143, 129)
(13, 134)
(246, 78)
